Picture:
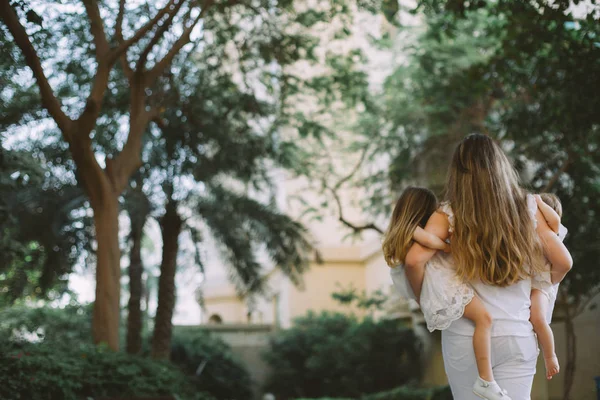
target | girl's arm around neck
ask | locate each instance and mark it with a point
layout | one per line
(429, 240)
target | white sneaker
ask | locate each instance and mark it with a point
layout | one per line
(489, 390)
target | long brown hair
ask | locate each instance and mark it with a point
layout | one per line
(413, 208)
(494, 237)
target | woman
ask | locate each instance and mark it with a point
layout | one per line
(495, 246)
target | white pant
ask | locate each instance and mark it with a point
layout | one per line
(513, 363)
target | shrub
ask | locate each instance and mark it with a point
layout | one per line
(48, 372)
(333, 354)
(71, 324)
(61, 336)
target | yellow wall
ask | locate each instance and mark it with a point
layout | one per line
(318, 284)
(230, 308)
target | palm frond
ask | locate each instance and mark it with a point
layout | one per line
(245, 228)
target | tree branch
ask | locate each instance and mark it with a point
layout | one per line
(121, 51)
(93, 105)
(354, 227)
(97, 30)
(125, 44)
(338, 185)
(184, 39)
(140, 66)
(129, 159)
(49, 100)
(354, 170)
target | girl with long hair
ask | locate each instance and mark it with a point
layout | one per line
(444, 297)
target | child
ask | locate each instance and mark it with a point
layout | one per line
(444, 297)
(543, 293)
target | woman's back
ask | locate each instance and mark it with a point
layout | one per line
(509, 306)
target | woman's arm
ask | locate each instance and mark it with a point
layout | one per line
(551, 216)
(554, 249)
(418, 255)
(429, 240)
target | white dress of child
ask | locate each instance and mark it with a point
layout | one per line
(443, 295)
(543, 281)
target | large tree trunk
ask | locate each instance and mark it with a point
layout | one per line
(136, 268)
(105, 323)
(171, 225)
(104, 200)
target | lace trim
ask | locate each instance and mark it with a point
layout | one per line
(532, 208)
(441, 319)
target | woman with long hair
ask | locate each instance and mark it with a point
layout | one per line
(496, 247)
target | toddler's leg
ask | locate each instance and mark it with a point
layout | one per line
(476, 312)
(539, 307)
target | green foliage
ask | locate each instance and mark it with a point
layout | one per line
(57, 333)
(56, 326)
(43, 231)
(75, 372)
(209, 364)
(335, 354)
(243, 225)
(372, 302)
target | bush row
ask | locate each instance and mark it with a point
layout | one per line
(337, 354)
(62, 363)
(48, 372)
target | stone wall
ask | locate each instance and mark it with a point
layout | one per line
(248, 342)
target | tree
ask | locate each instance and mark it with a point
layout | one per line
(104, 185)
(272, 35)
(201, 142)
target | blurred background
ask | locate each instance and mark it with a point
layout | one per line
(192, 193)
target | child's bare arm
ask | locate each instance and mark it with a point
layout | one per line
(551, 217)
(554, 250)
(429, 240)
(418, 254)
